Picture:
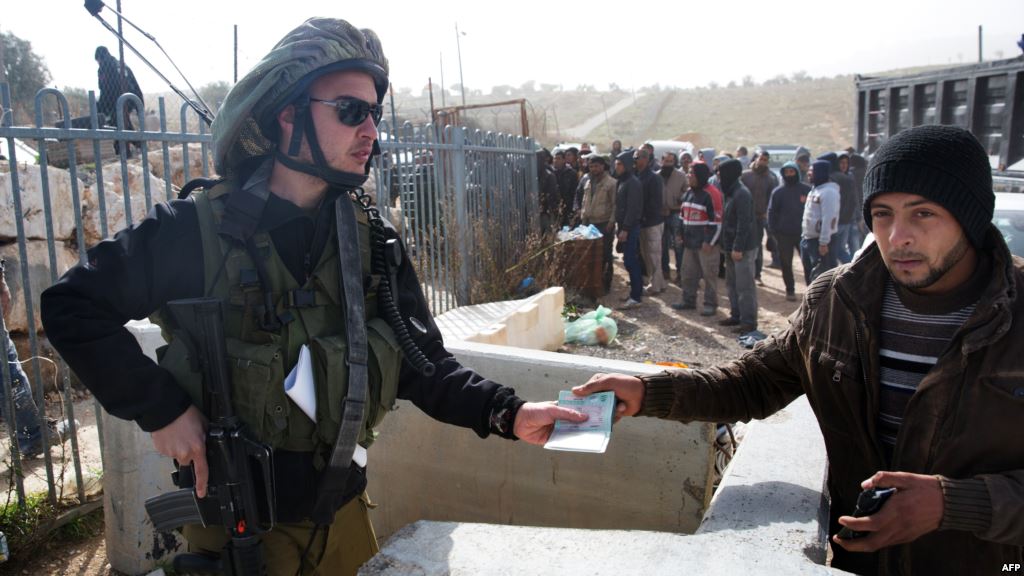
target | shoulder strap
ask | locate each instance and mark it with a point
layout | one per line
(353, 408)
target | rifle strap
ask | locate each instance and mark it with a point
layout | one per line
(333, 481)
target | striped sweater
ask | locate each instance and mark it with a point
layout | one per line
(915, 331)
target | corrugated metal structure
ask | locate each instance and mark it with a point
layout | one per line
(986, 98)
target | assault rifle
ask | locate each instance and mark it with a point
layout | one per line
(240, 491)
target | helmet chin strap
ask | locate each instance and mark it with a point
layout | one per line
(320, 168)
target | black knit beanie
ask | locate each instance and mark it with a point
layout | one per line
(946, 165)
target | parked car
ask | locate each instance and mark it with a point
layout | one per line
(779, 154)
(1008, 217)
(676, 147)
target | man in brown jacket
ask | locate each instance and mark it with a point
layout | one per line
(673, 190)
(910, 357)
(599, 209)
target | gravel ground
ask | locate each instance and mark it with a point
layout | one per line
(654, 332)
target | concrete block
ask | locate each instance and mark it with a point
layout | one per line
(133, 472)
(39, 277)
(774, 488)
(33, 215)
(768, 517)
(534, 322)
(655, 475)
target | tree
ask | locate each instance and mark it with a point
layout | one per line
(528, 87)
(501, 90)
(25, 70)
(748, 81)
(213, 93)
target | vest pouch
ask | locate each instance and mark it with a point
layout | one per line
(257, 382)
(330, 375)
(385, 367)
(174, 358)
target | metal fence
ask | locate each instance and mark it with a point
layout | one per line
(467, 201)
(462, 201)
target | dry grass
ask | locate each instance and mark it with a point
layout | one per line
(817, 113)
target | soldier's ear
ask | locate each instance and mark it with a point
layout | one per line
(285, 125)
(286, 117)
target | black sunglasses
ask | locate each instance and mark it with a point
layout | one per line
(353, 111)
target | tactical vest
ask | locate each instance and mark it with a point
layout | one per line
(311, 314)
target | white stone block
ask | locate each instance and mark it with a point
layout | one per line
(30, 186)
(39, 277)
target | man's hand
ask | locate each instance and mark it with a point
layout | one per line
(822, 249)
(623, 235)
(629, 390)
(185, 441)
(705, 248)
(535, 420)
(913, 511)
(737, 255)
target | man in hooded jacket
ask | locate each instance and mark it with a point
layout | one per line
(848, 203)
(652, 223)
(629, 209)
(739, 243)
(820, 240)
(785, 221)
(699, 235)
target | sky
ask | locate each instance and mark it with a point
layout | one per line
(669, 44)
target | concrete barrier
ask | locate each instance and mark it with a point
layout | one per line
(769, 516)
(133, 472)
(655, 475)
(534, 322)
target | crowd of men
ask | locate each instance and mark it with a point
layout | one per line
(714, 216)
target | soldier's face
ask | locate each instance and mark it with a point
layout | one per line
(346, 148)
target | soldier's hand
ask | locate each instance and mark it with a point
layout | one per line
(185, 441)
(629, 391)
(535, 420)
(913, 511)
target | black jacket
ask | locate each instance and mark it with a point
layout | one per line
(130, 276)
(653, 192)
(738, 224)
(629, 196)
(786, 209)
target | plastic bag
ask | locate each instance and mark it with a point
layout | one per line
(592, 328)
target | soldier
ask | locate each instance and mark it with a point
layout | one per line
(293, 141)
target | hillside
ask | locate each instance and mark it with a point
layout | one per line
(818, 113)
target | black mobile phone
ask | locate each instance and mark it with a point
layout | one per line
(869, 502)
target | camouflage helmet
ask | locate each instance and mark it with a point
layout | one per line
(246, 125)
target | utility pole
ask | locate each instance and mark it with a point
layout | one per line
(236, 55)
(443, 104)
(120, 51)
(458, 45)
(979, 43)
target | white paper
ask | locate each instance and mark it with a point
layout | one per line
(299, 384)
(591, 435)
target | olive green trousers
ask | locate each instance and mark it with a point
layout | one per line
(338, 549)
